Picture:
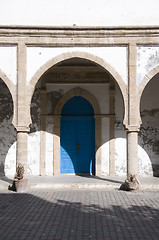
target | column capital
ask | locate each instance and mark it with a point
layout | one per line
(132, 128)
(22, 128)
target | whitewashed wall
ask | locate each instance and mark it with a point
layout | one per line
(120, 135)
(49, 147)
(79, 13)
(34, 135)
(148, 58)
(8, 62)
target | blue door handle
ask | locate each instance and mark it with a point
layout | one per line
(78, 147)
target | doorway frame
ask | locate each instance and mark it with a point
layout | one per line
(56, 127)
(76, 118)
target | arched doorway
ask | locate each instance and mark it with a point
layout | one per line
(68, 78)
(77, 137)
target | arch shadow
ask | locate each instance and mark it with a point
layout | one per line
(7, 132)
(149, 111)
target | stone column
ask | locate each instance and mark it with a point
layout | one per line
(43, 132)
(22, 108)
(22, 118)
(132, 154)
(133, 122)
(112, 132)
(22, 150)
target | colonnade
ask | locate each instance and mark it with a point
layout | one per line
(131, 121)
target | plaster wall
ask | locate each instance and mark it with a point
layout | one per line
(147, 59)
(79, 13)
(120, 135)
(105, 147)
(100, 91)
(49, 147)
(8, 62)
(34, 135)
(148, 137)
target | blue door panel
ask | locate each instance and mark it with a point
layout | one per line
(77, 142)
(67, 166)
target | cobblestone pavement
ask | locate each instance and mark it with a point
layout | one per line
(79, 214)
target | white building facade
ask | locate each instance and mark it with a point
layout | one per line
(115, 70)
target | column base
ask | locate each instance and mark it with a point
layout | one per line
(20, 186)
(131, 184)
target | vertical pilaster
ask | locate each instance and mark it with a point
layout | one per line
(98, 142)
(133, 118)
(43, 132)
(22, 110)
(112, 132)
(132, 87)
(56, 141)
(22, 123)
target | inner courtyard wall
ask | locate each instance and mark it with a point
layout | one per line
(117, 58)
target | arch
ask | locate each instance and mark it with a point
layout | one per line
(77, 92)
(77, 106)
(82, 55)
(12, 89)
(147, 78)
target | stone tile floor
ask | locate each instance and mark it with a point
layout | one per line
(63, 214)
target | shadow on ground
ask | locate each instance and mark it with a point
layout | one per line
(79, 214)
(6, 179)
(100, 178)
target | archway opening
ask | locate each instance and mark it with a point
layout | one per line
(89, 80)
(149, 131)
(7, 133)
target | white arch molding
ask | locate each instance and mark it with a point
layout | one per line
(147, 78)
(83, 55)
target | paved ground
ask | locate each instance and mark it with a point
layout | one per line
(105, 182)
(63, 214)
(84, 182)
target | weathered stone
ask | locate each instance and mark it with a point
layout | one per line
(131, 184)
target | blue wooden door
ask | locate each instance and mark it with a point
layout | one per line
(77, 137)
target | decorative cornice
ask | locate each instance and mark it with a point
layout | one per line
(78, 31)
